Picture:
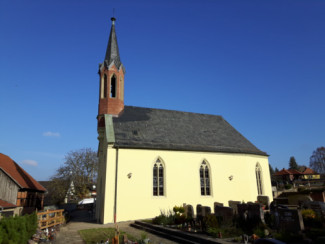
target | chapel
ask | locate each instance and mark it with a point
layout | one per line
(151, 160)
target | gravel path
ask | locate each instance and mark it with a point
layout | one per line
(80, 221)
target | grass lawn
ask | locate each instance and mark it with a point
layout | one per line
(102, 234)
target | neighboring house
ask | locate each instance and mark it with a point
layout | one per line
(288, 175)
(52, 197)
(309, 174)
(153, 159)
(19, 192)
(92, 190)
(291, 175)
(70, 193)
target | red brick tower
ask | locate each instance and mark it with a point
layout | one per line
(111, 87)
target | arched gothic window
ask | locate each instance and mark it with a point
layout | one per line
(205, 179)
(158, 178)
(259, 180)
(113, 86)
(105, 86)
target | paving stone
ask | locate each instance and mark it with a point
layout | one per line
(69, 233)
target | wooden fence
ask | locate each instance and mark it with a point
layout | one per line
(50, 218)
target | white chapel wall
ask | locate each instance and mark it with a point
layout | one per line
(182, 181)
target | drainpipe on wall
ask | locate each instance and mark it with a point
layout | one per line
(115, 198)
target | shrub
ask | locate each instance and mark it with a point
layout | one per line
(179, 215)
(225, 232)
(164, 219)
(302, 189)
(18, 229)
(178, 210)
(288, 236)
(210, 221)
(288, 186)
(308, 214)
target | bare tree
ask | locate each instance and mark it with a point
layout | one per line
(317, 160)
(81, 167)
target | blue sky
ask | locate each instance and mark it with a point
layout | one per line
(259, 64)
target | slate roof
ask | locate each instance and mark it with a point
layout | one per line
(162, 129)
(18, 174)
(112, 51)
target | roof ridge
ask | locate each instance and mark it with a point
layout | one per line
(16, 172)
(173, 110)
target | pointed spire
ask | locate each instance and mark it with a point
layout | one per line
(112, 52)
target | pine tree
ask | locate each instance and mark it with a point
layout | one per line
(293, 164)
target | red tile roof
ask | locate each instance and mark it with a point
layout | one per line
(19, 175)
(288, 172)
(5, 204)
(309, 171)
(294, 172)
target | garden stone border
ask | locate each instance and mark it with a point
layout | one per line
(177, 235)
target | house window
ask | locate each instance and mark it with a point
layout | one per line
(105, 86)
(259, 182)
(158, 178)
(113, 86)
(205, 179)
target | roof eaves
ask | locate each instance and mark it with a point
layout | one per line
(194, 148)
(5, 204)
(11, 177)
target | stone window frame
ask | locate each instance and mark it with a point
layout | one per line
(104, 86)
(205, 178)
(111, 87)
(158, 181)
(259, 179)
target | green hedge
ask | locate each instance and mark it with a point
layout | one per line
(18, 229)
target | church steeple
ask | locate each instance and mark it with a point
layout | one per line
(112, 53)
(111, 72)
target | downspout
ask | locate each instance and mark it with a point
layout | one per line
(115, 197)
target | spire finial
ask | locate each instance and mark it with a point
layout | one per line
(113, 20)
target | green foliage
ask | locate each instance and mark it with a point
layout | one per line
(225, 232)
(269, 219)
(164, 219)
(288, 186)
(315, 234)
(92, 236)
(288, 237)
(179, 216)
(308, 214)
(178, 210)
(261, 231)
(18, 229)
(271, 172)
(211, 221)
(311, 220)
(293, 164)
(303, 189)
(81, 167)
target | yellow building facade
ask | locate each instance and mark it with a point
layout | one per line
(151, 160)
